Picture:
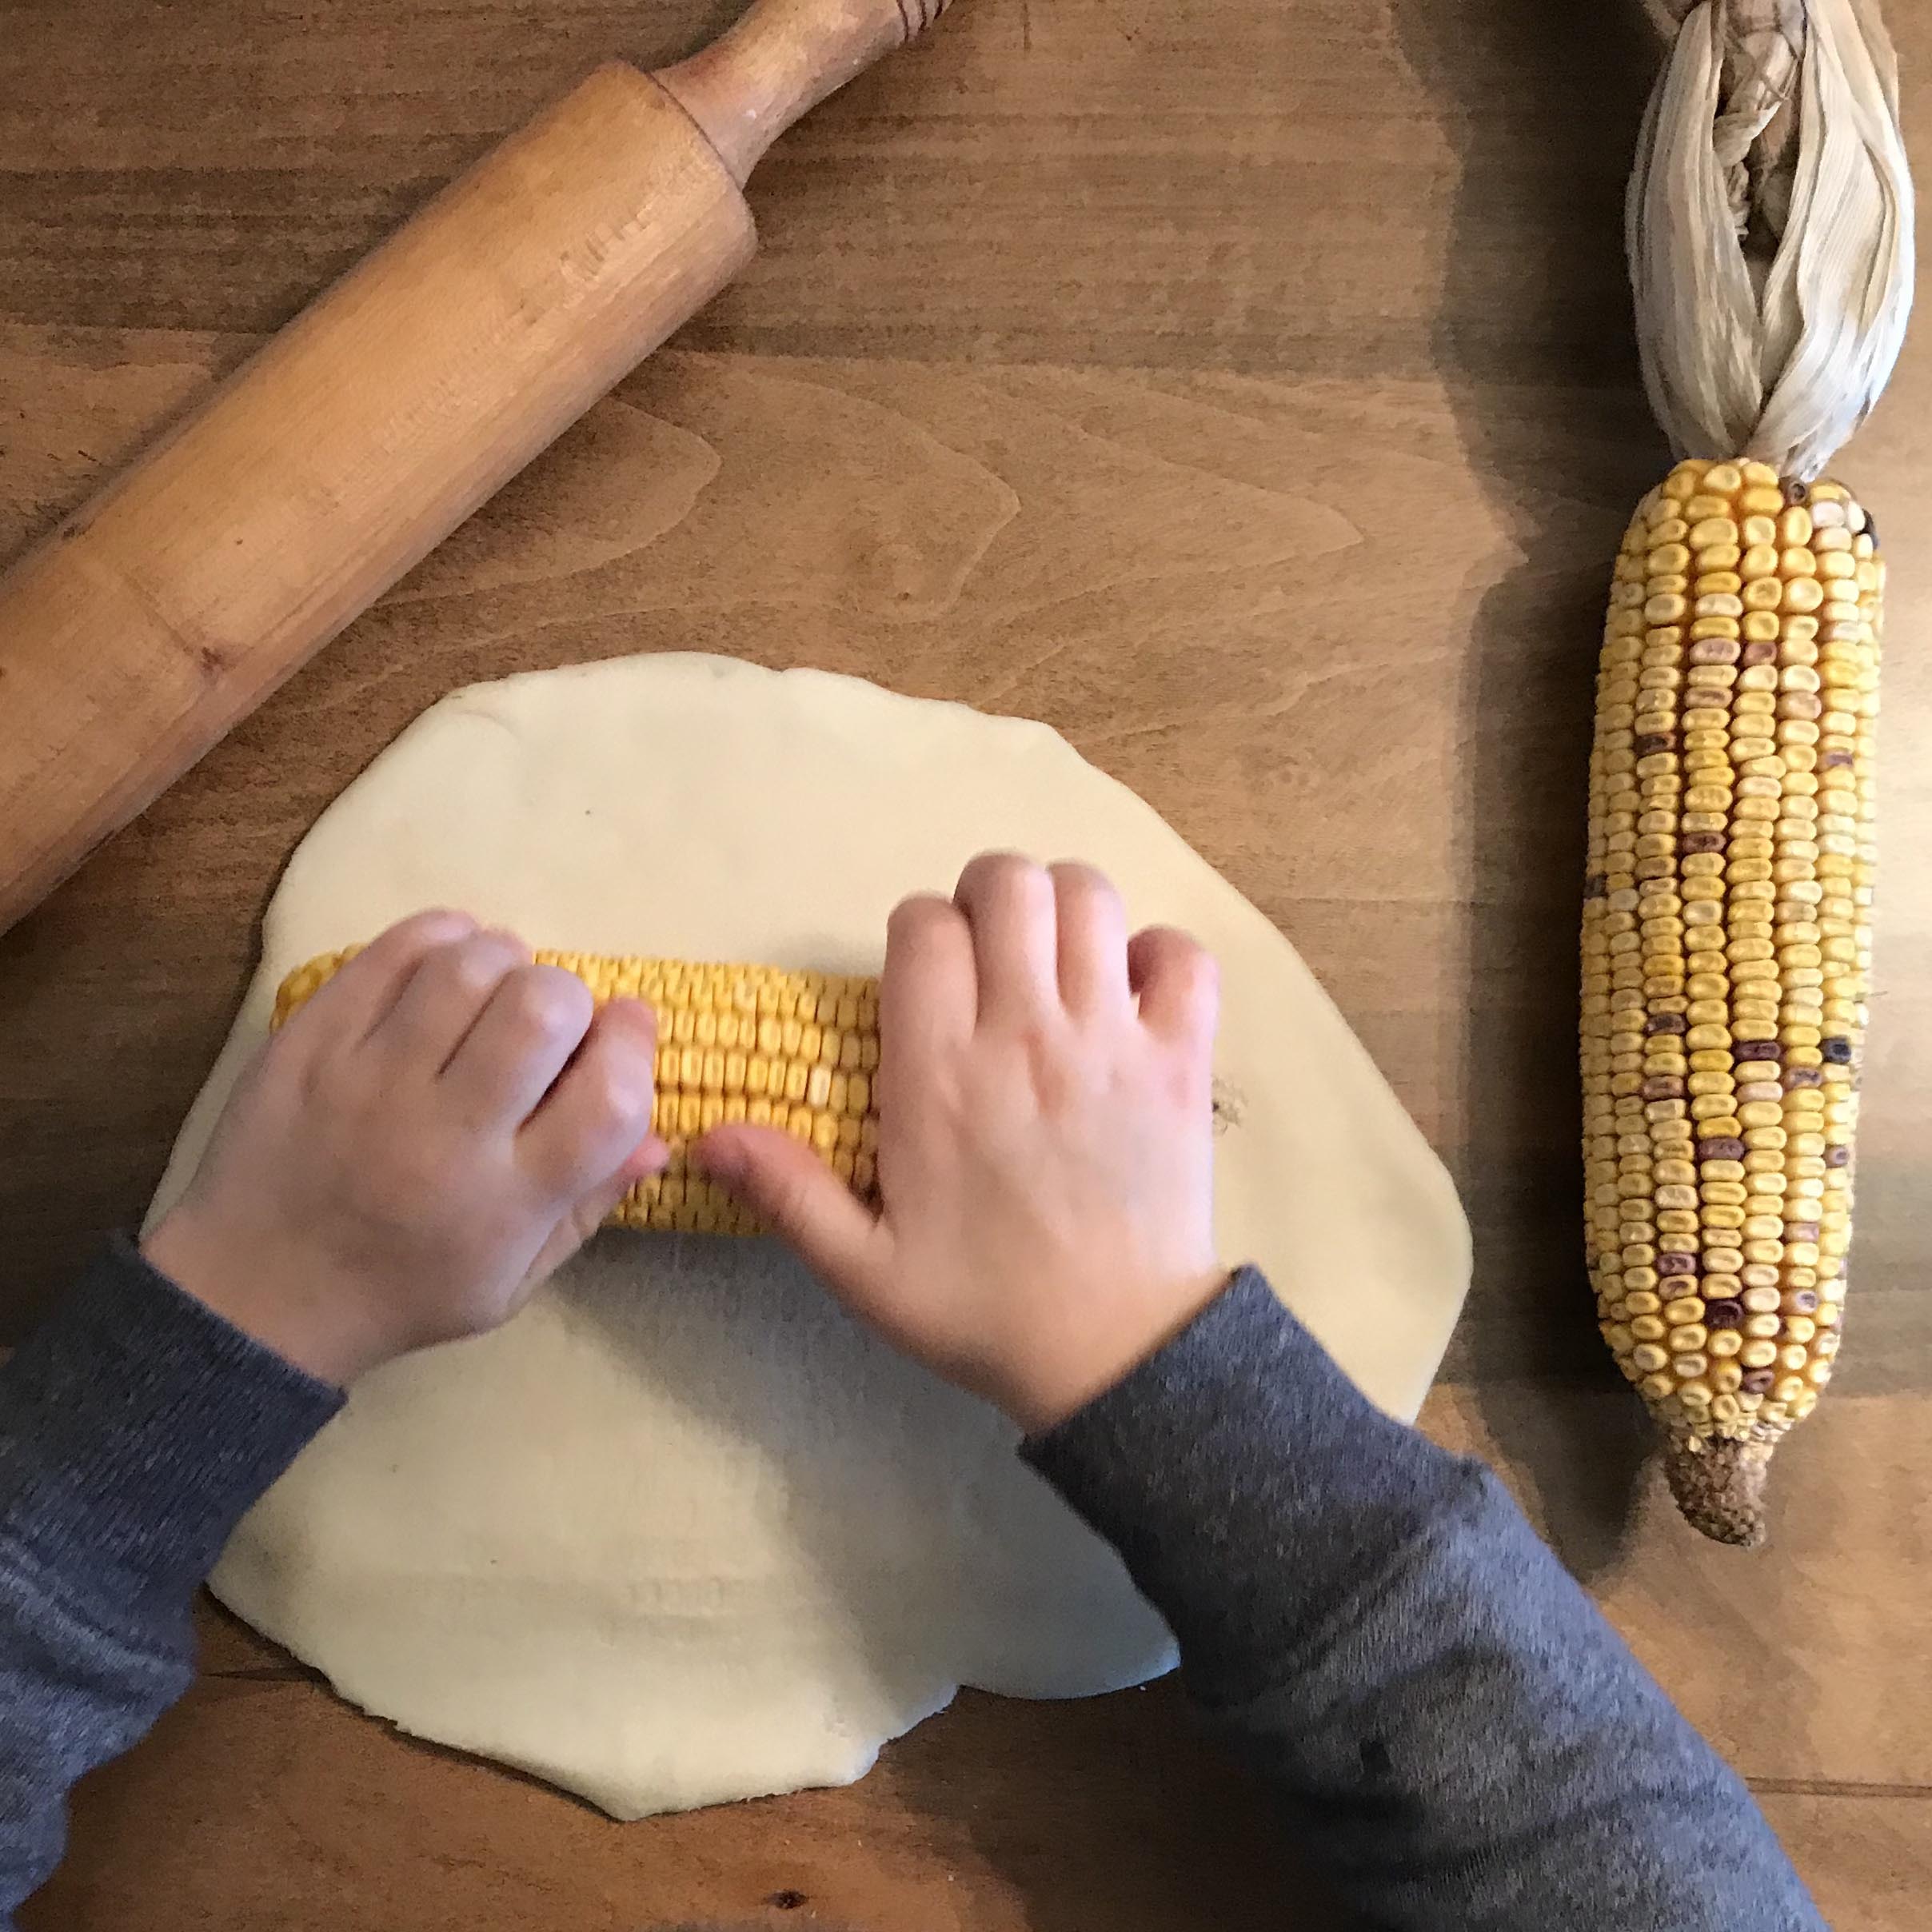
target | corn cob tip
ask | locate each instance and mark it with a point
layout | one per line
(1719, 1486)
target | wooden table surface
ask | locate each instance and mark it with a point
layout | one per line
(1248, 392)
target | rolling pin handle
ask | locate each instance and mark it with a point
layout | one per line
(779, 61)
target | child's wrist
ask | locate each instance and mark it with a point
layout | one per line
(1049, 1394)
(278, 1305)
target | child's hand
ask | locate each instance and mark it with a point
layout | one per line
(1046, 1143)
(434, 1132)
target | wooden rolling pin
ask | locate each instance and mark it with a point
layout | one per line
(171, 604)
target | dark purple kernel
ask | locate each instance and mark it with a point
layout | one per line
(1803, 1301)
(1720, 1150)
(1723, 1314)
(1833, 760)
(1871, 528)
(1795, 491)
(1757, 1049)
(1651, 742)
(1595, 886)
(1758, 1383)
(1759, 652)
(1837, 1050)
(1838, 1156)
(1663, 1087)
(1677, 1264)
(1801, 1230)
(1667, 1023)
(1795, 1077)
(1701, 841)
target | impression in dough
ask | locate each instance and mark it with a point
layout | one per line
(681, 1532)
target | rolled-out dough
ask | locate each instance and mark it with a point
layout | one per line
(681, 1532)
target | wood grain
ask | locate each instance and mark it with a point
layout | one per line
(170, 604)
(1248, 392)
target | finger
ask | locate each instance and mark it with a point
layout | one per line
(354, 999)
(444, 997)
(1092, 939)
(521, 1041)
(585, 1216)
(1008, 902)
(1177, 983)
(781, 1180)
(596, 1117)
(928, 994)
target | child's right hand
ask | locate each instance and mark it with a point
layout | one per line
(439, 1128)
(1046, 1143)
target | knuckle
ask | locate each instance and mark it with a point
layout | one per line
(617, 1093)
(436, 924)
(477, 965)
(462, 968)
(418, 936)
(551, 1001)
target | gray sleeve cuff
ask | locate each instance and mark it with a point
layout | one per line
(1249, 1485)
(136, 1427)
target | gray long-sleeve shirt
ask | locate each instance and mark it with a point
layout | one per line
(1452, 1731)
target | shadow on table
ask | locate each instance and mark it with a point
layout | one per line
(1112, 1812)
(1536, 346)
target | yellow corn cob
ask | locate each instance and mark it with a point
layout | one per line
(1725, 954)
(792, 1050)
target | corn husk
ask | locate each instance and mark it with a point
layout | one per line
(1770, 230)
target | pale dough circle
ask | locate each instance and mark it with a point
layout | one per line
(680, 1533)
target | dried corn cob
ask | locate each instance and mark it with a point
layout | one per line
(1726, 955)
(792, 1050)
